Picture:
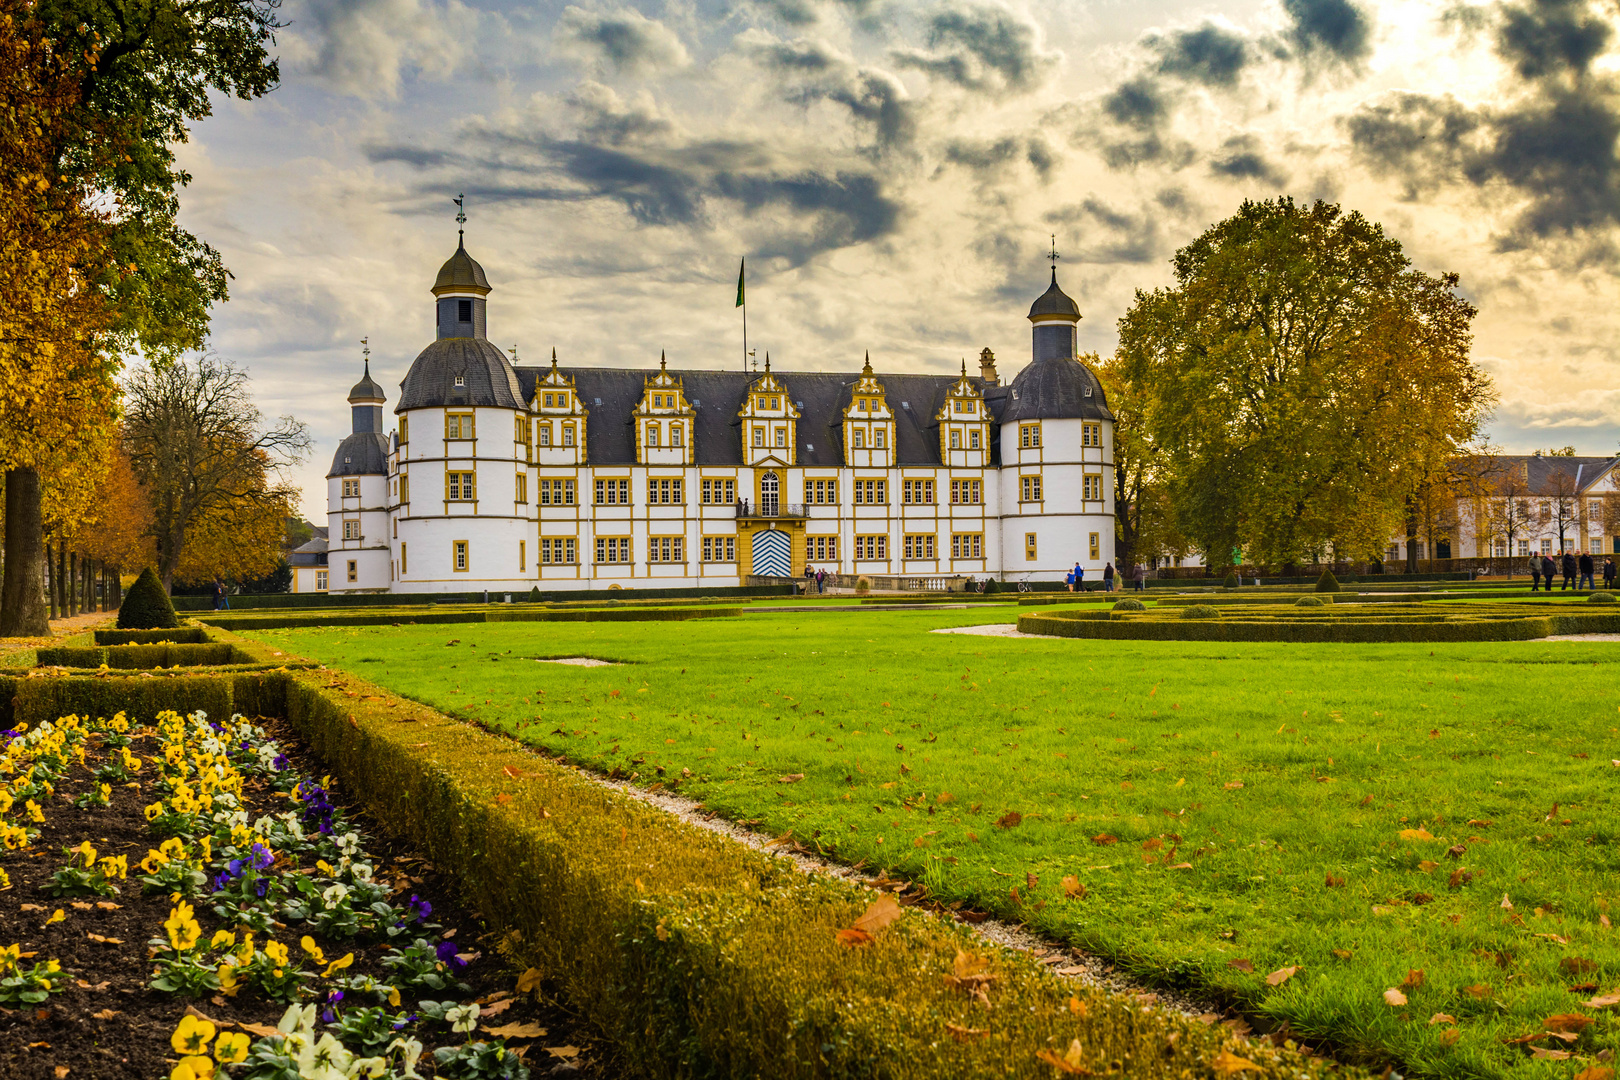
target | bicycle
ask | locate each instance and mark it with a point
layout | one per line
(1023, 584)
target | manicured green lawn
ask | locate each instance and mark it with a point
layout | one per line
(1210, 798)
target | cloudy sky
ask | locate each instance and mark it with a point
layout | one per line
(893, 171)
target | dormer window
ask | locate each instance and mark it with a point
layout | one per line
(464, 311)
(776, 403)
(461, 380)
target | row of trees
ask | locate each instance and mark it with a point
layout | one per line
(1299, 392)
(94, 265)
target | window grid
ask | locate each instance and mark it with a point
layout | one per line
(1029, 436)
(917, 492)
(612, 549)
(665, 492)
(821, 492)
(919, 546)
(460, 487)
(458, 550)
(967, 545)
(351, 529)
(556, 493)
(351, 489)
(458, 425)
(1090, 434)
(613, 492)
(874, 546)
(967, 492)
(557, 550)
(666, 549)
(718, 492)
(719, 549)
(1029, 489)
(1091, 487)
(871, 492)
(321, 579)
(821, 548)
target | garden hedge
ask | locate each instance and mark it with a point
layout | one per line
(143, 657)
(361, 600)
(184, 635)
(704, 958)
(146, 606)
(1320, 626)
(482, 615)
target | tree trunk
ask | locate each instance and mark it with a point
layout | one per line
(50, 584)
(117, 588)
(22, 593)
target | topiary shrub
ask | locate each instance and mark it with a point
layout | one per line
(534, 594)
(1201, 611)
(146, 606)
(1309, 601)
(864, 586)
(1231, 581)
(1130, 603)
(1601, 597)
(991, 585)
(1327, 582)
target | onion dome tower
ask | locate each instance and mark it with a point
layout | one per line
(365, 451)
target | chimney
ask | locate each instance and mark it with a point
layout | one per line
(987, 367)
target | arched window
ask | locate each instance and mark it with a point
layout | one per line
(769, 491)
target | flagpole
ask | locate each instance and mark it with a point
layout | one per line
(742, 302)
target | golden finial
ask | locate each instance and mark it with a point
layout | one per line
(554, 358)
(866, 369)
(661, 361)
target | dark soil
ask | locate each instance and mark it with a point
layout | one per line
(107, 1023)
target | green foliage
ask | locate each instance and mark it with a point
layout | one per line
(146, 606)
(185, 635)
(534, 594)
(1309, 601)
(142, 657)
(1327, 582)
(1200, 611)
(479, 1061)
(1130, 603)
(991, 585)
(1230, 581)
(1601, 597)
(863, 586)
(30, 985)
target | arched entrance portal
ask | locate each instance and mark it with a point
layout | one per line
(769, 494)
(773, 551)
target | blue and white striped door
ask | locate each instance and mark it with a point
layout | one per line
(773, 553)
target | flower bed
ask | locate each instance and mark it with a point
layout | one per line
(180, 900)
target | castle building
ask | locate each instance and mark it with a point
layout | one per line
(502, 476)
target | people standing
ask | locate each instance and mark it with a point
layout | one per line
(1586, 571)
(1548, 570)
(1079, 578)
(220, 601)
(1068, 580)
(1569, 570)
(821, 581)
(1139, 576)
(1108, 578)
(1535, 573)
(1608, 573)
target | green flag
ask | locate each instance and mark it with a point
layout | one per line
(743, 266)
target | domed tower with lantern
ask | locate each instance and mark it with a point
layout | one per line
(1057, 454)
(357, 495)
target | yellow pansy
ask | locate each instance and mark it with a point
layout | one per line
(231, 1048)
(228, 982)
(206, 848)
(222, 939)
(307, 943)
(34, 812)
(153, 861)
(87, 852)
(173, 848)
(338, 965)
(154, 811)
(393, 996)
(192, 1036)
(193, 1068)
(115, 867)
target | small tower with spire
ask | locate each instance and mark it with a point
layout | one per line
(461, 288)
(1056, 318)
(366, 397)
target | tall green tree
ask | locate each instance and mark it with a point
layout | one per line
(1145, 522)
(1300, 380)
(133, 76)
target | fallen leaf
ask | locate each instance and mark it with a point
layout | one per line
(1478, 990)
(1069, 1063)
(495, 1008)
(105, 940)
(1233, 786)
(1442, 1018)
(1280, 976)
(1506, 903)
(1152, 843)
(1009, 819)
(80, 905)
(880, 913)
(1227, 1063)
(1450, 1036)
(563, 1052)
(62, 1071)
(1428, 866)
(1602, 1002)
(1334, 882)
(30, 907)
(1101, 840)
(1541, 1053)
(1456, 851)
(791, 778)
(1414, 979)
(1073, 889)
(1567, 1022)
(263, 1031)
(516, 1031)
(1595, 1072)
(512, 771)
(107, 905)
(1459, 877)
(529, 980)
(1343, 954)
(1394, 997)
(1416, 834)
(1241, 965)
(851, 938)
(1077, 1006)
(1576, 965)
(105, 1014)
(966, 1034)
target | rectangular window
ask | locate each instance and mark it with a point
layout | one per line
(759, 436)
(458, 556)
(652, 434)
(545, 433)
(522, 487)
(459, 487)
(719, 549)
(875, 546)
(956, 439)
(354, 570)
(404, 430)
(666, 549)
(860, 439)
(404, 563)
(821, 492)
(1091, 487)
(1546, 548)
(568, 434)
(967, 491)
(613, 493)
(321, 578)
(781, 436)
(612, 549)
(1029, 547)
(967, 545)
(1029, 436)
(917, 492)
(557, 550)
(973, 439)
(676, 438)
(458, 425)
(547, 401)
(556, 493)
(878, 437)
(662, 492)
(1029, 489)
(719, 492)
(1096, 547)
(821, 548)
(464, 311)
(404, 489)
(520, 430)
(351, 529)
(919, 546)
(1091, 435)
(351, 489)
(871, 492)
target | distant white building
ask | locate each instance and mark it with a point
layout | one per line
(503, 477)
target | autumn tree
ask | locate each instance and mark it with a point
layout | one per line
(210, 468)
(1508, 514)
(94, 95)
(1559, 505)
(1145, 520)
(1302, 380)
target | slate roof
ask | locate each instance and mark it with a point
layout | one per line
(461, 273)
(365, 453)
(1054, 301)
(1542, 475)
(310, 553)
(486, 371)
(1054, 390)
(612, 395)
(366, 389)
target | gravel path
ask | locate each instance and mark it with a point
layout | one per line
(993, 630)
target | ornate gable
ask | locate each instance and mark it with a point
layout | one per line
(663, 420)
(770, 421)
(868, 422)
(964, 424)
(559, 420)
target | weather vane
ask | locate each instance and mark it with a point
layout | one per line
(366, 350)
(461, 213)
(1054, 257)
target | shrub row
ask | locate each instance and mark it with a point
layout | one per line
(142, 657)
(701, 957)
(500, 614)
(330, 600)
(184, 635)
(255, 693)
(1087, 625)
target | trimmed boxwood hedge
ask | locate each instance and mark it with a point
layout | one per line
(1314, 627)
(146, 606)
(142, 657)
(501, 614)
(184, 635)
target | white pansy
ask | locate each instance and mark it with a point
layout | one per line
(410, 1053)
(463, 1018)
(348, 843)
(362, 872)
(296, 1017)
(335, 895)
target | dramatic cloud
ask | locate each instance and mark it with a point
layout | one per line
(1211, 54)
(808, 71)
(1552, 37)
(625, 41)
(982, 47)
(1239, 158)
(1333, 28)
(364, 47)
